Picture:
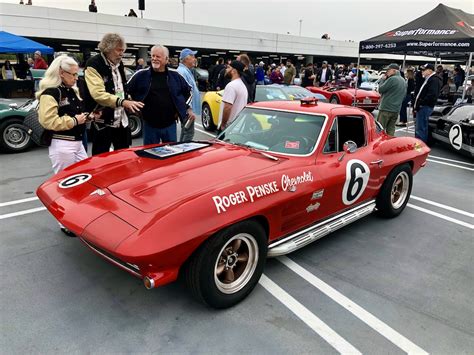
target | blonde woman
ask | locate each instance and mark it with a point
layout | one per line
(61, 111)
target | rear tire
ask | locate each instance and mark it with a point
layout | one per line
(395, 192)
(334, 100)
(13, 136)
(227, 267)
(207, 119)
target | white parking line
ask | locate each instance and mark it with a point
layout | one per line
(316, 324)
(442, 216)
(452, 160)
(368, 318)
(440, 205)
(9, 203)
(20, 213)
(449, 164)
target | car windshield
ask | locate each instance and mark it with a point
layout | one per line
(270, 94)
(290, 133)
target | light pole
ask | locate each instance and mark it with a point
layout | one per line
(184, 3)
(301, 22)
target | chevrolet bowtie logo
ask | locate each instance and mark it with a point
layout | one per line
(97, 192)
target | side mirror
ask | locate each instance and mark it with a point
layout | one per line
(349, 147)
(13, 106)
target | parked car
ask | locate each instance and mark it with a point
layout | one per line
(367, 100)
(454, 127)
(371, 85)
(211, 101)
(282, 175)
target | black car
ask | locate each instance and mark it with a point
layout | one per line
(454, 127)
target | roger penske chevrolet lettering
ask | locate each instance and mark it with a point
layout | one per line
(282, 175)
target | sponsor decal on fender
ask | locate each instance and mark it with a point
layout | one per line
(252, 193)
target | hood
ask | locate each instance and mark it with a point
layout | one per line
(150, 184)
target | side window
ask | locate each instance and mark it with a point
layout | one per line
(351, 128)
(331, 142)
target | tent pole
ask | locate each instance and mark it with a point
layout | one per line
(404, 59)
(357, 81)
(468, 67)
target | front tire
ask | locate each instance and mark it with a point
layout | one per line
(207, 119)
(228, 265)
(13, 136)
(395, 192)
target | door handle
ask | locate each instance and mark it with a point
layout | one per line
(377, 162)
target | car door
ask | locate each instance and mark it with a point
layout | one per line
(349, 178)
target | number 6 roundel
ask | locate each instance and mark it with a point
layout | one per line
(357, 177)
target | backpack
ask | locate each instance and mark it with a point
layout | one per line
(35, 130)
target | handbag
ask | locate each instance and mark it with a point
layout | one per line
(35, 130)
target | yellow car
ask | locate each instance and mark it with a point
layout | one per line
(211, 100)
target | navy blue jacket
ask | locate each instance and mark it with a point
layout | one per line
(181, 93)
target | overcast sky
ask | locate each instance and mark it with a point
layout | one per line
(342, 19)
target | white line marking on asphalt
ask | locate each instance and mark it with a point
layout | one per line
(324, 331)
(20, 213)
(368, 318)
(442, 216)
(404, 128)
(9, 203)
(449, 164)
(452, 160)
(440, 205)
(200, 130)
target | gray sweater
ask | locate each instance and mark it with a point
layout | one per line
(393, 91)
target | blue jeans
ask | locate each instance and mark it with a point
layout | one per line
(152, 135)
(422, 118)
(403, 110)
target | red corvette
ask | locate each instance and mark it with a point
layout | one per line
(365, 99)
(281, 176)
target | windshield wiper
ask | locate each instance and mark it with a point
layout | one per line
(267, 155)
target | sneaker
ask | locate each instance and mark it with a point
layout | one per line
(68, 232)
(401, 124)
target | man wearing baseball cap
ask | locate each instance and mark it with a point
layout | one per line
(235, 95)
(188, 62)
(426, 100)
(392, 91)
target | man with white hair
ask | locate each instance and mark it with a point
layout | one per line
(166, 95)
(260, 74)
(105, 90)
(188, 62)
(39, 63)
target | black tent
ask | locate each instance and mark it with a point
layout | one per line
(440, 31)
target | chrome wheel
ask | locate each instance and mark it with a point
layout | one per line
(236, 263)
(15, 137)
(399, 191)
(206, 118)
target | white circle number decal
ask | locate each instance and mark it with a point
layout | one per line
(455, 136)
(357, 177)
(74, 180)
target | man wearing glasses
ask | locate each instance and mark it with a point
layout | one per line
(105, 90)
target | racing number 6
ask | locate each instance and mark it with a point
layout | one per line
(357, 177)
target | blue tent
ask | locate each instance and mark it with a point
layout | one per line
(10, 43)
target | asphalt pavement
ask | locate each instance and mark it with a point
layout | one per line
(403, 285)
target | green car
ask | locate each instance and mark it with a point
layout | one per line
(13, 137)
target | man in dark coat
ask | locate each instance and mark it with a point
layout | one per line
(426, 100)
